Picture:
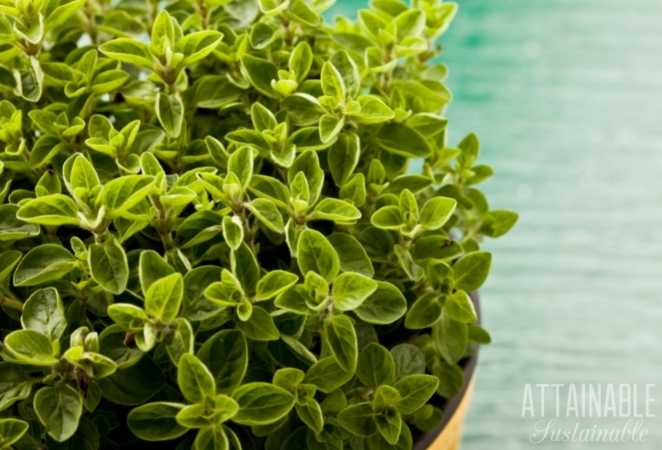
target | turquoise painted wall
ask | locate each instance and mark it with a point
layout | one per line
(567, 99)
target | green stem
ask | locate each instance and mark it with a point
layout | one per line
(11, 303)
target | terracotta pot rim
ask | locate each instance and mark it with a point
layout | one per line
(451, 406)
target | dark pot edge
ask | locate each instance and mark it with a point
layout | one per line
(453, 403)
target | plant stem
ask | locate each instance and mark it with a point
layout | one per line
(11, 303)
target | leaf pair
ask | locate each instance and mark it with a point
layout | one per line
(255, 403)
(158, 320)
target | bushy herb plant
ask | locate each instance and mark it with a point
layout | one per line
(230, 224)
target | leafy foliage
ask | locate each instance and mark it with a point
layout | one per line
(210, 224)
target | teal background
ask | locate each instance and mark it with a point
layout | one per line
(566, 97)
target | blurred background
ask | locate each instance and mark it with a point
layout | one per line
(566, 96)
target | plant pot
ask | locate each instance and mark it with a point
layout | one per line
(448, 435)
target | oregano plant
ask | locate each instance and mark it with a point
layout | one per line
(231, 224)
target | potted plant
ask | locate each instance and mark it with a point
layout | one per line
(212, 232)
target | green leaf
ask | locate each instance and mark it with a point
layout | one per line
(80, 176)
(43, 312)
(198, 415)
(330, 126)
(112, 345)
(147, 337)
(262, 118)
(259, 73)
(290, 379)
(156, 421)
(460, 307)
(261, 403)
(389, 425)
(128, 50)
(384, 306)
(198, 45)
(401, 140)
(353, 257)
(451, 338)
(267, 213)
(97, 366)
(316, 254)
(388, 218)
(479, 335)
(211, 438)
(304, 13)
(109, 266)
(163, 299)
(328, 375)
(31, 347)
(498, 222)
(358, 419)
(152, 267)
(294, 300)
(471, 270)
(343, 157)
(373, 110)
(342, 340)
(109, 81)
(262, 35)
(308, 164)
(15, 385)
(260, 326)
(274, 283)
(409, 360)
(49, 183)
(376, 366)
(451, 377)
(425, 312)
(336, 210)
(410, 23)
(233, 231)
(310, 413)
(183, 340)
(437, 247)
(10, 259)
(213, 411)
(11, 431)
(13, 229)
(240, 163)
(469, 146)
(196, 306)
(59, 409)
(436, 212)
(301, 60)
(384, 398)
(348, 70)
(170, 112)
(29, 79)
(52, 210)
(165, 31)
(226, 355)
(245, 267)
(415, 390)
(194, 379)
(120, 195)
(351, 289)
(129, 317)
(304, 109)
(44, 263)
(332, 83)
(246, 136)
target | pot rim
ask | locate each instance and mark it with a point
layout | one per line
(451, 406)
